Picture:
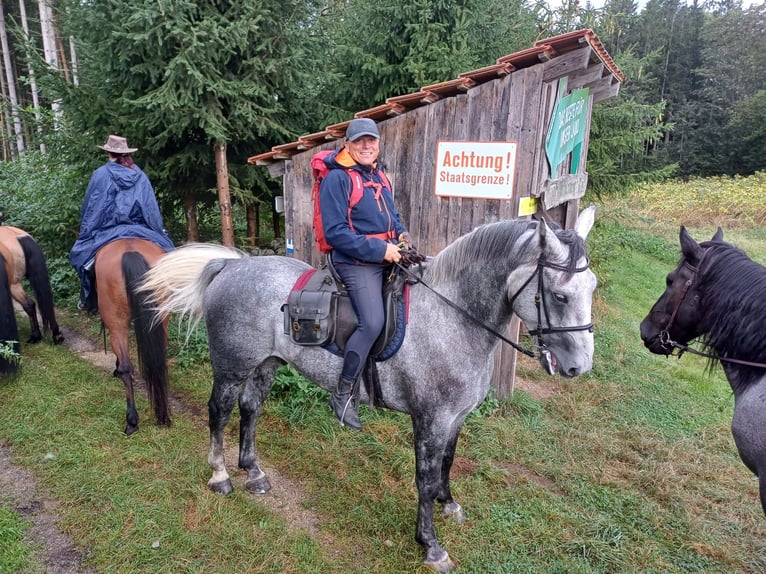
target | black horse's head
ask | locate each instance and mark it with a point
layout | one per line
(676, 316)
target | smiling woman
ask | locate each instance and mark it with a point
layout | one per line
(363, 238)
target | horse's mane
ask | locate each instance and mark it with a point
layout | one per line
(508, 239)
(732, 288)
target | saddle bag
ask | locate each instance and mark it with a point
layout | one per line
(310, 312)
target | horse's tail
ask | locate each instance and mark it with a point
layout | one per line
(151, 339)
(9, 329)
(177, 282)
(37, 274)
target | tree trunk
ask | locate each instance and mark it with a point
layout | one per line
(12, 97)
(31, 72)
(48, 34)
(7, 122)
(192, 225)
(224, 195)
(253, 224)
(73, 59)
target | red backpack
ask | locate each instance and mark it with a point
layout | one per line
(319, 171)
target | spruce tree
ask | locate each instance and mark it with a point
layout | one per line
(180, 78)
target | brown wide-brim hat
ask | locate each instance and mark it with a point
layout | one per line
(117, 144)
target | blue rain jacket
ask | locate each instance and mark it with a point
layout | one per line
(119, 203)
(370, 216)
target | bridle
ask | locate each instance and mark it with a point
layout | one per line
(664, 335)
(541, 305)
(670, 345)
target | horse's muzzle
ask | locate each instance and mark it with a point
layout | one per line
(659, 344)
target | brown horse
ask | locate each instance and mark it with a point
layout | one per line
(119, 266)
(25, 259)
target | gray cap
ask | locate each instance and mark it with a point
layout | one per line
(361, 127)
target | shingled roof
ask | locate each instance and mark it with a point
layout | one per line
(542, 51)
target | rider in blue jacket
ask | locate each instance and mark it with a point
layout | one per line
(364, 243)
(119, 202)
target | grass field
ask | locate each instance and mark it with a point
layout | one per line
(630, 468)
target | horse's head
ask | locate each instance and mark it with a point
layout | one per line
(555, 301)
(675, 317)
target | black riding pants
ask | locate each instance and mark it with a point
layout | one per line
(365, 289)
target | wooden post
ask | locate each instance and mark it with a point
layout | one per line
(224, 195)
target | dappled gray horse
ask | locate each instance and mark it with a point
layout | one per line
(717, 293)
(443, 368)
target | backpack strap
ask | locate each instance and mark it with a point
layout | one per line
(357, 191)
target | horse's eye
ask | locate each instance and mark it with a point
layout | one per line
(561, 298)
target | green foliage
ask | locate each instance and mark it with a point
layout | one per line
(196, 74)
(9, 353)
(295, 396)
(394, 47)
(747, 132)
(487, 407)
(42, 194)
(188, 348)
(15, 554)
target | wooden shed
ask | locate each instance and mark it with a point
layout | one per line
(498, 142)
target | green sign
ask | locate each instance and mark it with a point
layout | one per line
(567, 130)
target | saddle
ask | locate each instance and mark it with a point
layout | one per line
(319, 312)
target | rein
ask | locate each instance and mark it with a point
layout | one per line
(540, 304)
(664, 335)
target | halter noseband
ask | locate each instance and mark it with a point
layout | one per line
(665, 332)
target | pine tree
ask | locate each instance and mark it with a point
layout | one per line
(376, 50)
(184, 78)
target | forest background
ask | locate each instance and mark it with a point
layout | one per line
(200, 86)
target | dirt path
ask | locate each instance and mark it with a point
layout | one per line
(56, 553)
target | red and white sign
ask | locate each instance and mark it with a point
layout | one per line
(475, 169)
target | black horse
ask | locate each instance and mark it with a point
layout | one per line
(717, 293)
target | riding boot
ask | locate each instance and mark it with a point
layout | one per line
(343, 404)
(88, 297)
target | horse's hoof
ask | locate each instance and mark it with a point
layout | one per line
(130, 429)
(58, 339)
(224, 487)
(442, 564)
(260, 485)
(455, 511)
(34, 340)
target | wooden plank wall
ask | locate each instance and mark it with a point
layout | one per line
(517, 107)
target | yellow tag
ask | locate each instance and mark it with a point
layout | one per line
(527, 205)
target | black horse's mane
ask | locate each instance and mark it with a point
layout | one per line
(732, 288)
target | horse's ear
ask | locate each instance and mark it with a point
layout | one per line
(689, 248)
(550, 244)
(718, 235)
(585, 220)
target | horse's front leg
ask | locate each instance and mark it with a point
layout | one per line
(430, 447)
(250, 405)
(450, 508)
